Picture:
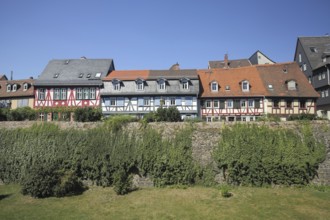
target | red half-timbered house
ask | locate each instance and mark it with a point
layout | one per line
(71, 83)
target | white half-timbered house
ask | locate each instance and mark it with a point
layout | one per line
(138, 92)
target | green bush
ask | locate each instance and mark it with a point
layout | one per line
(171, 114)
(302, 117)
(258, 155)
(122, 181)
(87, 114)
(68, 184)
(4, 114)
(40, 181)
(224, 189)
(21, 114)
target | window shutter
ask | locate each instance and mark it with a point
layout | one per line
(222, 104)
(140, 101)
(257, 103)
(157, 101)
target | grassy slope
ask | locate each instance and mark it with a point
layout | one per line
(191, 203)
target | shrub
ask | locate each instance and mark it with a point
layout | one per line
(4, 114)
(68, 184)
(87, 114)
(21, 114)
(171, 114)
(258, 155)
(302, 117)
(122, 181)
(40, 181)
(224, 189)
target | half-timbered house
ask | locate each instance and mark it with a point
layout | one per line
(246, 93)
(71, 83)
(137, 92)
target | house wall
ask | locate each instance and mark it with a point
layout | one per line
(70, 101)
(259, 58)
(283, 111)
(210, 112)
(304, 60)
(22, 102)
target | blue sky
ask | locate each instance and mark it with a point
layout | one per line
(152, 34)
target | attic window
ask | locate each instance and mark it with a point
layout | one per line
(292, 85)
(14, 87)
(270, 86)
(88, 75)
(245, 86)
(81, 75)
(98, 75)
(25, 86)
(214, 86)
(285, 70)
(227, 88)
(56, 75)
(8, 88)
(313, 49)
(67, 62)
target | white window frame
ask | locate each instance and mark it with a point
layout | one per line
(245, 86)
(319, 76)
(25, 86)
(243, 103)
(139, 85)
(326, 93)
(251, 103)
(57, 94)
(41, 94)
(322, 94)
(208, 104)
(86, 93)
(304, 67)
(14, 87)
(79, 95)
(185, 85)
(92, 93)
(230, 103)
(214, 86)
(116, 86)
(113, 102)
(323, 75)
(299, 57)
(146, 101)
(63, 93)
(8, 88)
(172, 101)
(162, 85)
(216, 104)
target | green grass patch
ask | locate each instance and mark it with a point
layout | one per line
(170, 203)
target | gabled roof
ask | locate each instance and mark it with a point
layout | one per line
(3, 77)
(322, 45)
(231, 63)
(232, 78)
(128, 75)
(259, 77)
(75, 72)
(278, 75)
(20, 88)
(258, 52)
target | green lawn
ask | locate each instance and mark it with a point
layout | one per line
(170, 203)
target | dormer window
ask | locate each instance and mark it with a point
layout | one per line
(88, 75)
(162, 84)
(116, 84)
(98, 75)
(214, 86)
(8, 88)
(270, 87)
(139, 84)
(313, 49)
(81, 75)
(292, 85)
(56, 75)
(324, 59)
(25, 86)
(227, 88)
(185, 83)
(14, 87)
(245, 86)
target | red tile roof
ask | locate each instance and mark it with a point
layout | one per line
(259, 77)
(127, 75)
(20, 91)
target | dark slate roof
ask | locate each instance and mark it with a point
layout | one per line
(173, 74)
(231, 63)
(322, 45)
(75, 72)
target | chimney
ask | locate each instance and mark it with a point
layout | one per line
(226, 61)
(11, 75)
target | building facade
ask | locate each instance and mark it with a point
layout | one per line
(16, 93)
(140, 92)
(313, 57)
(70, 83)
(246, 93)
